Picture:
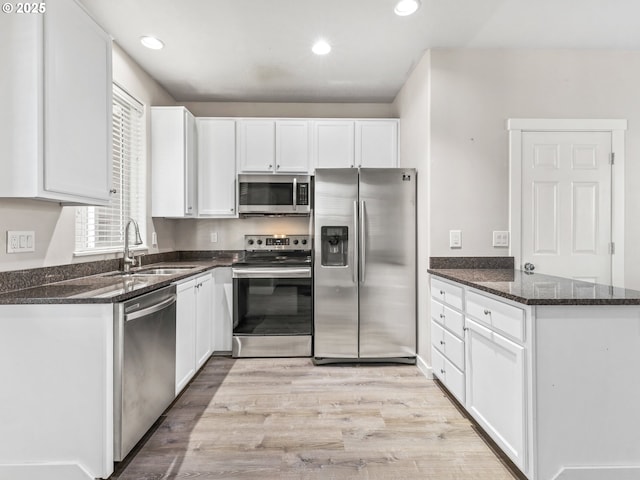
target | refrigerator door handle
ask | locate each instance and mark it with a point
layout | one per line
(363, 242)
(354, 265)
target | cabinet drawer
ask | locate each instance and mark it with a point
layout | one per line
(449, 318)
(448, 374)
(449, 345)
(497, 315)
(447, 293)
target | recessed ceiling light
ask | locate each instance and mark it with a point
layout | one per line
(151, 42)
(406, 7)
(321, 47)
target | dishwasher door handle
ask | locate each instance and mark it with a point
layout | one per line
(152, 309)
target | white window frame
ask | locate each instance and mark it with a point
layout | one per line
(128, 200)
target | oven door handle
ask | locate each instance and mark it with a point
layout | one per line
(270, 272)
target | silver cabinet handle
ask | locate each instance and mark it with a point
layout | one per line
(441, 292)
(441, 342)
(442, 371)
(442, 315)
(487, 312)
(270, 166)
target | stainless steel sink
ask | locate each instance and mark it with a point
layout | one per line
(151, 271)
(162, 271)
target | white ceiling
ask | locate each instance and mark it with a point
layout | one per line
(260, 50)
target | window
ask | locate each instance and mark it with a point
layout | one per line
(101, 229)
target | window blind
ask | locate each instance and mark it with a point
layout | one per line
(101, 229)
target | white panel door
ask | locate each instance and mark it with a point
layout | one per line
(566, 204)
(204, 319)
(334, 145)
(185, 334)
(256, 146)
(216, 167)
(293, 146)
(496, 388)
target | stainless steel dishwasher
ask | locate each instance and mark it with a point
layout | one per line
(144, 365)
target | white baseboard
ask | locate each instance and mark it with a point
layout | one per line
(47, 471)
(426, 370)
(598, 473)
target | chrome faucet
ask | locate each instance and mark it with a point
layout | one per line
(129, 259)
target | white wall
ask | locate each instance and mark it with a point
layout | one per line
(474, 92)
(54, 225)
(412, 106)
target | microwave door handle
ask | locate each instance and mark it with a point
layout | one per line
(295, 193)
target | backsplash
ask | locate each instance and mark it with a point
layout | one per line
(471, 262)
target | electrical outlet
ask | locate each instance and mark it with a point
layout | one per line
(21, 241)
(455, 238)
(500, 238)
(214, 237)
(154, 239)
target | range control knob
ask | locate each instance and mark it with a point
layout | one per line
(250, 242)
(304, 242)
(295, 242)
(259, 242)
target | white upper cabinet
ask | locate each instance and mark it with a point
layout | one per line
(376, 143)
(55, 120)
(173, 162)
(273, 146)
(256, 146)
(293, 146)
(333, 143)
(216, 167)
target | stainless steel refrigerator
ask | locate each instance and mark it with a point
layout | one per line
(365, 265)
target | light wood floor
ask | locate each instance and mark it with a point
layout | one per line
(288, 419)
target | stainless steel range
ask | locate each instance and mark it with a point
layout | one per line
(272, 297)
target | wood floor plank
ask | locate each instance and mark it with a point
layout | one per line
(288, 419)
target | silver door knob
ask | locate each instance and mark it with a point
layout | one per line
(529, 267)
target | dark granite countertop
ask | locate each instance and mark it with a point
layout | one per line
(538, 289)
(108, 288)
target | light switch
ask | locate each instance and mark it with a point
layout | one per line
(500, 238)
(214, 237)
(455, 239)
(19, 242)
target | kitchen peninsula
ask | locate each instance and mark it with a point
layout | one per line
(547, 366)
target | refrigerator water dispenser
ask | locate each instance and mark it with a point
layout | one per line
(334, 246)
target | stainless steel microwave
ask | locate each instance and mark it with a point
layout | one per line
(274, 194)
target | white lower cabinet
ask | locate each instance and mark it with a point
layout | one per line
(496, 388)
(194, 316)
(222, 310)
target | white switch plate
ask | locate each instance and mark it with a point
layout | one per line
(154, 239)
(455, 238)
(214, 237)
(500, 238)
(21, 241)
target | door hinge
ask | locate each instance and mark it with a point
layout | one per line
(612, 248)
(613, 158)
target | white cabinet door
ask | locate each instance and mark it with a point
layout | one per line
(204, 316)
(377, 143)
(333, 144)
(173, 167)
(56, 114)
(185, 333)
(223, 310)
(256, 146)
(293, 146)
(216, 167)
(496, 388)
(77, 98)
